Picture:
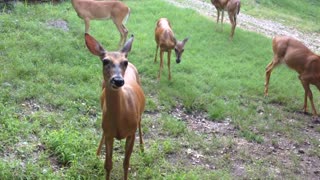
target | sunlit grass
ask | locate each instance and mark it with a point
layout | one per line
(302, 14)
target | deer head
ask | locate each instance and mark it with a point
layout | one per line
(179, 48)
(114, 64)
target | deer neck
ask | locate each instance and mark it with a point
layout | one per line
(114, 101)
(73, 3)
(120, 113)
(174, 41)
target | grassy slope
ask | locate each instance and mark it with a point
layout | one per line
(50, 85)
(303, 14)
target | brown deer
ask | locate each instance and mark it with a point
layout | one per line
(166, 40)
(115, 10)
(122, 101)
(299, 58)
(233, 9)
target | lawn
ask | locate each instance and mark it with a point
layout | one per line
(50, 117)
(302, 14)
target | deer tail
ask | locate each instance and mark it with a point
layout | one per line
(127, 17)
(238, 6)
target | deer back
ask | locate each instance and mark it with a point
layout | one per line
(93, 9)
(220, 4)
(293, 53)
(164, 35)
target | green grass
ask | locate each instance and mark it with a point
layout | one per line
(50, 123)
(303, 14)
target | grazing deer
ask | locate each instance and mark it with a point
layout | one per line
(166, 40)
(299, 58)
(115, 10)
(233, 9)
(122, 101)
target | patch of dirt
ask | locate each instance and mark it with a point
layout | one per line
(199, 122)
(31, 106)
(27, 150)
(278, 150)
(266, 27)
(58, 24)
(32, 143)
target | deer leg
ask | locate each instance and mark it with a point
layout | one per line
(129, 147)
(100, 145)
(155, 57)
(305, 103)
(140, 137)
(125, 30)
(308, 93)
(161, 63)
(161, 58)
(108, 160)
(269, 69)
(222, 20)
(233, 24)
(87, 24)
(123, 34)
(218, 15)
(169, 55)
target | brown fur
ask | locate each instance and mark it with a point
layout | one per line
(299, 58)
(233, 9)
(122, 105)
(166, 40)
(93, 9)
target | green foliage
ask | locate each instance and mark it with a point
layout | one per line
(250, 136)
(64, 144)
(173, 127)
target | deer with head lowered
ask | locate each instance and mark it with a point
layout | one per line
(166, 40)
(122, 101)
(115, 10)
(233, 9)
(298, 57)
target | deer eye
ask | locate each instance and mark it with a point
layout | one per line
(106, 62)
(125, 63)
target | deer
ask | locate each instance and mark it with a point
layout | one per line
(115, 10)
(122, 101)
(233, 9)
(298, 57)
(166, 40)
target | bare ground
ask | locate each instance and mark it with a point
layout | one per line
(282, 156)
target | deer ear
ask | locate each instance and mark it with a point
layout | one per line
(93, 45)
(185, 40)
(127, 46)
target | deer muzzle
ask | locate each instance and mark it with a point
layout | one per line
(117, 81)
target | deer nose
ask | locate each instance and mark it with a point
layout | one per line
(117, 81)
(178, 61)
